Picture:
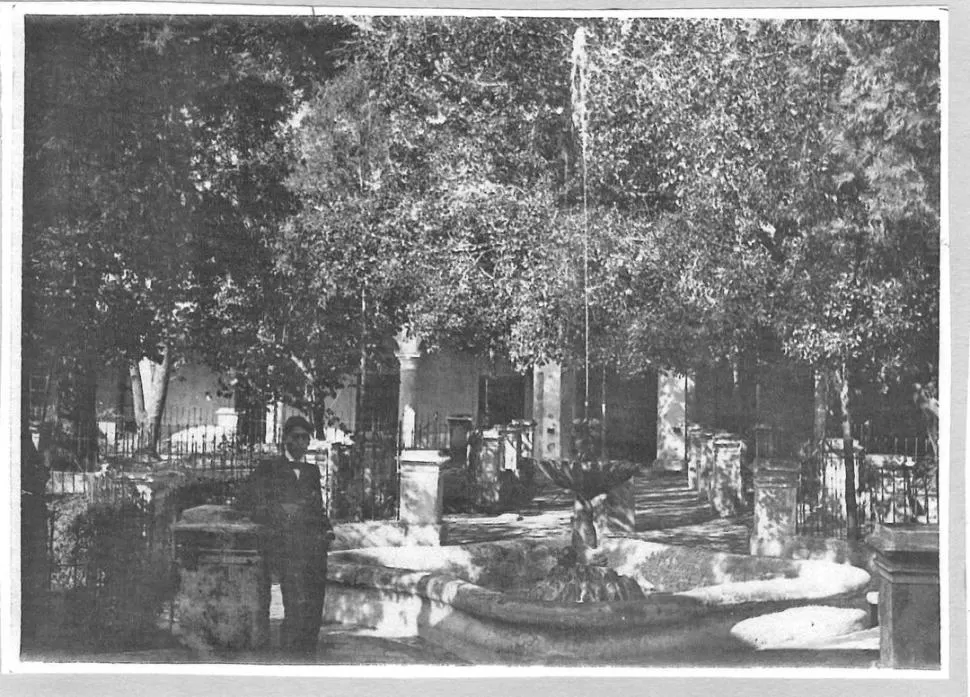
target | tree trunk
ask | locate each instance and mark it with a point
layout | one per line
(149, 390)
(318, 415)
(737, 408)
(584, 529)
(848, 455)
(603, 452)
(821, 407)
(362, 377)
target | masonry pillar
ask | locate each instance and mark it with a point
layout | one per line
(705, 466)
(408, 353)
(224, 589)
(726, 486)
(672, 422)
(552, 394)
(422, 487)
(907, 565)
(775, 492)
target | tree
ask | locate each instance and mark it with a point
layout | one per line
(153, 167)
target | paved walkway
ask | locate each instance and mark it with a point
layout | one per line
(666, 511)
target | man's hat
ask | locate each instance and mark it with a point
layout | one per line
(297, 421)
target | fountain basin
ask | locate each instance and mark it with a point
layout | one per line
(469, 600)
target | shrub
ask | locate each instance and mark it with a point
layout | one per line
(123, 582)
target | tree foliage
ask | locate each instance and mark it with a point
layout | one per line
(153, 170)
(244, 190)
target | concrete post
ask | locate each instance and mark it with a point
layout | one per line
(705, 467)
(224, 594)
(726, 484)
(408, 354)
(907, 564)
(422, 487)
(775, 492)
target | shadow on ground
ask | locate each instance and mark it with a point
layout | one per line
(667, 511)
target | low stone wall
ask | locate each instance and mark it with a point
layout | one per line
(834, 550)
(386, 533)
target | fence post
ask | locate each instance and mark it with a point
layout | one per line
(422, 488)
(705, 473)
(775, 496)
(727, 486)
(907, 564)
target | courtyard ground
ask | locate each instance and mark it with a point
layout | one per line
(666, 512)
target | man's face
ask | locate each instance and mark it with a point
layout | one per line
(296, 442)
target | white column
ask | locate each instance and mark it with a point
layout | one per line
(408, 353)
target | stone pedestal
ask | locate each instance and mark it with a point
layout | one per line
(907, 564)
(775, 492)
(726, 485)
(422, 487)
(705, 466)
(224, 585)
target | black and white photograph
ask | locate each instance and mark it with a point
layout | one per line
(555, 340)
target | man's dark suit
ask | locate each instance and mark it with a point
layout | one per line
(297, 542)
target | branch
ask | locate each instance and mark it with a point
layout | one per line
(302, 367)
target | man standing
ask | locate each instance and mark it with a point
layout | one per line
(285, 495)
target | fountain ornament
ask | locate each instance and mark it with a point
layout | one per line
(579, 576)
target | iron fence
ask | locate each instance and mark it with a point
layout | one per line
(431, 433)
(896, 481)
(361, 479)
(194, 464)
